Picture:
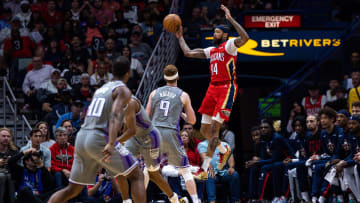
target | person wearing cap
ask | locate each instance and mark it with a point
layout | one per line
(139, 49)
(51, 86)
(220, 96)
(62, 156)
(74, 115)
(342, 118)
(315, 101)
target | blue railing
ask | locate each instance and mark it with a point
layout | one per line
(300, 75)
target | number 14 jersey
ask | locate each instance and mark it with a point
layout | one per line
(167, 107)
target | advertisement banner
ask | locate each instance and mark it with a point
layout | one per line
(272, 21)
(283, 46)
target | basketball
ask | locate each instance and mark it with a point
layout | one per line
(172, 23)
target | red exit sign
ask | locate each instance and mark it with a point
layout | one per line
(272, 21)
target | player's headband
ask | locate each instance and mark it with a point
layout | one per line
(355, 118)
(222, 28)
(173, 77)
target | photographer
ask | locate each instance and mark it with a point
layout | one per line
(106, 189)
(33, 182)
(35, 138)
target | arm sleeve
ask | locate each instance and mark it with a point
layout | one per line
(47, 158)
(230, 47)
(207, 52)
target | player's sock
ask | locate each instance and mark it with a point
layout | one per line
(146, 177)
(314, 199)
(127, 201)
(195, 198)
(305, 196)
(322, 199)
(206, 163)
(340, 198)
(222, 149)
(174, 198)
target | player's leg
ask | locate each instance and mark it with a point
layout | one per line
(69, 192)
(123, 187)
(136, 179)
(190, 183)
(156, 177)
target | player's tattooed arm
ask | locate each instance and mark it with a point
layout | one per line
(195, 53)
(244, 37)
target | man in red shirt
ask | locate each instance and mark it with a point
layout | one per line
(62, 156)
(219, 98)
(51, 16)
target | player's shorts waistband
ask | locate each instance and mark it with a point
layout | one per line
(217, 83)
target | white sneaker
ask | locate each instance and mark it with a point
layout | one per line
(276, 200)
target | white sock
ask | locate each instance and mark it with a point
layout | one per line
(127, 201)
(195, 198)
(322, 199)
(222, 149)
(174, 198)
(305, 196)
(314, 199)
(146, 178)
(206, 163)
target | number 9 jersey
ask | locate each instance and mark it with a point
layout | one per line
(97, 115)
(167, 107)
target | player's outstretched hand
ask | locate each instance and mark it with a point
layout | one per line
(107, 152)
(227, 11)
(179, 33)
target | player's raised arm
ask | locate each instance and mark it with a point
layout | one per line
(244, 37)
(195, 53)
(130, 121)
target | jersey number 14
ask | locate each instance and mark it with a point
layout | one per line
(214, 69)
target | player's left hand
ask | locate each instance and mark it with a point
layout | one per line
(107, 152)
(227, 11)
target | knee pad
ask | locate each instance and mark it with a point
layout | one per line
(186, 174)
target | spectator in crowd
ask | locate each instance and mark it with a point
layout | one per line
(354, 92)
(227, 175)
(101, 75)
(136, 69)
(83, 91)
(315, 101)
(330, 93)
(73, 73)
(18, 46)
(190, 129)
(342, 118)
(34, 79)
(139, 50)
(106, 189)
(5, 22)
(122, 26)
(113, 5)
(35, 144)
(74, 115)
(67, 124)
(76, 9)
(111, 52)
(33, 182)
(103, 14)
(37, 32)
(354, 81)
(6, 32)
(79, 53)
(51, 86)
(341, 101)
(254, 170)
(24, 14)
(227, 135)
(44, 129)
(62, 156)
(149, 25)
(7, 150)
(53, 53)
(297, 110)
(130, 12)
(51, 16)
(93, 33)
(356, 108)
(218, 19)
(299, 126)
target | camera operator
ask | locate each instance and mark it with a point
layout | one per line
(35, 138)
(106, 189)
(33, 182)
